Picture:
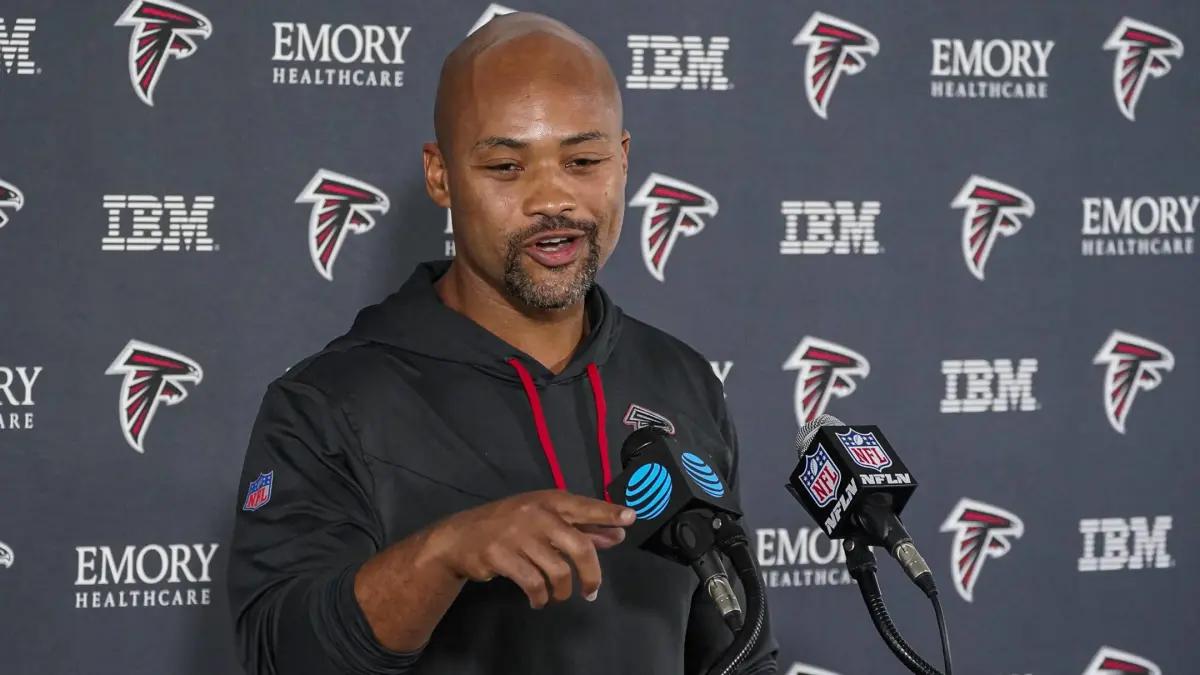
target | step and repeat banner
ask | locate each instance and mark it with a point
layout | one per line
(971, 224)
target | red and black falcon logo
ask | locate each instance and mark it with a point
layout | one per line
(10, 198)
(1143, 51)
(835, 47)
(825, 369)
(673, 207)
(981, 531)
(162, 30)
(153, 375)
(638, 417)
(991, 209)
(1133, 363)
(1109, 661)
(341, 204)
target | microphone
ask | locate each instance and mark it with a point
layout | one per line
(854, 485)
(684, 511)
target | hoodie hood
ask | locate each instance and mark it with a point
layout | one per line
(415, 319)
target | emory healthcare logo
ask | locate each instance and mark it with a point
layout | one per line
(1109, 661)
(673, 207)
(341, 204)
(153, 375)
(991, 208)
(981, 531)
(1133, 363)
(10, 198)
(1143, 51)
(834, 47)
(825, 369)
(162, 29)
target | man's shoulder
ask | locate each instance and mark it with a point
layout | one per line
(342, 371)
(668, 353)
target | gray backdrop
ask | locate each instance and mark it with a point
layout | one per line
(1077, 446)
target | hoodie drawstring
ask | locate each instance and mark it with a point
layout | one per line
(543, 432)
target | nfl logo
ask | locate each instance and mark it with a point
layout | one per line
(821, 477)
(259, 492)
(865, 450)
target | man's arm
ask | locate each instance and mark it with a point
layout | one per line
(305, 601)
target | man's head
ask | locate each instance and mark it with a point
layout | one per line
(531, 157)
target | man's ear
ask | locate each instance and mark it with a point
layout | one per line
(625, 138)
(437, 181)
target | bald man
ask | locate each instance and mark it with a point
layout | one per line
(427, 494)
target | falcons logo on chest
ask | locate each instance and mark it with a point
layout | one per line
(835, 47)
(981, 531)
(10, 198)
(1110, 661)
(673, 208)
(991, 209)
(1133, 363)
(341, 204)
(153, 375)
(162, 30)
(825, 369)
(1143, 51)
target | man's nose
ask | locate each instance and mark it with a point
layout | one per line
(548, 194)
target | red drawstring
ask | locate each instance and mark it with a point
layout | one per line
(601, 432)
(543, 432)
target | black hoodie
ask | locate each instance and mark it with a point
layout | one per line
(417, 413)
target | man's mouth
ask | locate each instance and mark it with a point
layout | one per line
(555, 248)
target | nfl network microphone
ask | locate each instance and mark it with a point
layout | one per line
(681, 505)
(854, 485)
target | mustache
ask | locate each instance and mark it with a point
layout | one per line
(550, 223)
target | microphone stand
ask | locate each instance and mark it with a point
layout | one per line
(860, 561)
(732, 541)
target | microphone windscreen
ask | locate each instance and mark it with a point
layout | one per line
(806, 433)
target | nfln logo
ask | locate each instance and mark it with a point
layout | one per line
(995, 386)
(187, 226)
(1125, 544)
(840, 228)
(669, 62)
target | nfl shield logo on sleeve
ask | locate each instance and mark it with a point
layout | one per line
(260, 491)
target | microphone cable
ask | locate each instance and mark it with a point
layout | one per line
(732, 541)
(860, 561)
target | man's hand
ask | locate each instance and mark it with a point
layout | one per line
(534, 539)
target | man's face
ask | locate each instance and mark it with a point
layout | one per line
(537, 181)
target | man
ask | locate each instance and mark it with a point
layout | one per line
(435, 479)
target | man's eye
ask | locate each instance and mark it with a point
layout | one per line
(506, 167)
(584, 161)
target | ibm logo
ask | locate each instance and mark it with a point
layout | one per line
(678, 63)
(14, 47)
(840, 228)
(187, 228)
(1128, 544)
(989, 385)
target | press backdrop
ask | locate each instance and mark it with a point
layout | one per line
(971, 224)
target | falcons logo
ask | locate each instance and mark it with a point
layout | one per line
(6, 555)
(10, 196)
(673, 207)
(153, 375)
(834, 47)
(1143, 51)
(1133, 363)
(640, 418)
(981, 531)
(162, 29)
(826, 370)
(1109, 661)
(991, 208)
(493, 10)
(341, 204)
